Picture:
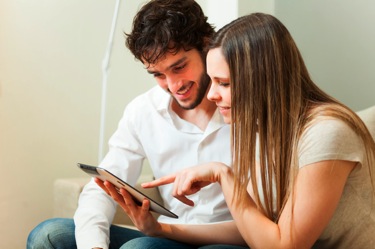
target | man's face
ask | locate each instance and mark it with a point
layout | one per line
(183, 75)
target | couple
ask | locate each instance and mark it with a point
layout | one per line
(296, 173)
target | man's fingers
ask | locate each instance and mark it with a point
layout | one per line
(101, 185)
(131, 206)
(110, 186)
(99, 182)
(128, 199)
(146, 205)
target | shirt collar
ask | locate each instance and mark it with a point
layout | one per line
(164, 107)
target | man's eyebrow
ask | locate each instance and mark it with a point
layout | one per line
(179, 61)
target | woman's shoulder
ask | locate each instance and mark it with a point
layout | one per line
(329, 139)
(330, 129)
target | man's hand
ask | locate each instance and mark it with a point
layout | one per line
(139, 214)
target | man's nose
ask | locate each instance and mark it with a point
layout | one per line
(174, 84)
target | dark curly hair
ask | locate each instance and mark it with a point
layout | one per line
(163, 26)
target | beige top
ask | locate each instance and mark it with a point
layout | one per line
(353, 224)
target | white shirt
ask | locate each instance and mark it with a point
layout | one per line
(149, 129)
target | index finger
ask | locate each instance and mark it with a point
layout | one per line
(101, 184)
(159, 182)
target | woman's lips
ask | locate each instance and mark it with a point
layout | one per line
(224, 110)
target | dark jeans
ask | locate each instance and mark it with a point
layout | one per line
(58, 233)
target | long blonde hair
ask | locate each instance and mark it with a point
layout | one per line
(273, 96)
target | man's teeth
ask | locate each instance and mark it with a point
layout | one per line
(183, 90)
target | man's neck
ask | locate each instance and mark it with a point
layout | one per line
(199, 116)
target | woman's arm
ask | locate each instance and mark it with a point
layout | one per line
(317, 192)
(318, 189)
(215, 233)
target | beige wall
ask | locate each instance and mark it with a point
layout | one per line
(50, 88)
(50, 84)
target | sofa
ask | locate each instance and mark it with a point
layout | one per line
(368, 117)
(67, 190)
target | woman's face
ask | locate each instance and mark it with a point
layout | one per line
(218, 70)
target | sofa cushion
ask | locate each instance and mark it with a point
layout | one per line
(368, 117)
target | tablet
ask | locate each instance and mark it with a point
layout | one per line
(138, 196)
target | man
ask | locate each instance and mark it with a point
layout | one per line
(173, 125)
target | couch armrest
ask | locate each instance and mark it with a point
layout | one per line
(368, 117)
(66, 193)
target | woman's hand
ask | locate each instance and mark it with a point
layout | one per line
(191, 180)
(139, 214)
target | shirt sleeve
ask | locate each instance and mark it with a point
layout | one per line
(330, 139)
(96, 209)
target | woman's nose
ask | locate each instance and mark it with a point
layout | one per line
(212, 93)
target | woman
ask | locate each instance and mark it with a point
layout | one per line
(303, 163)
